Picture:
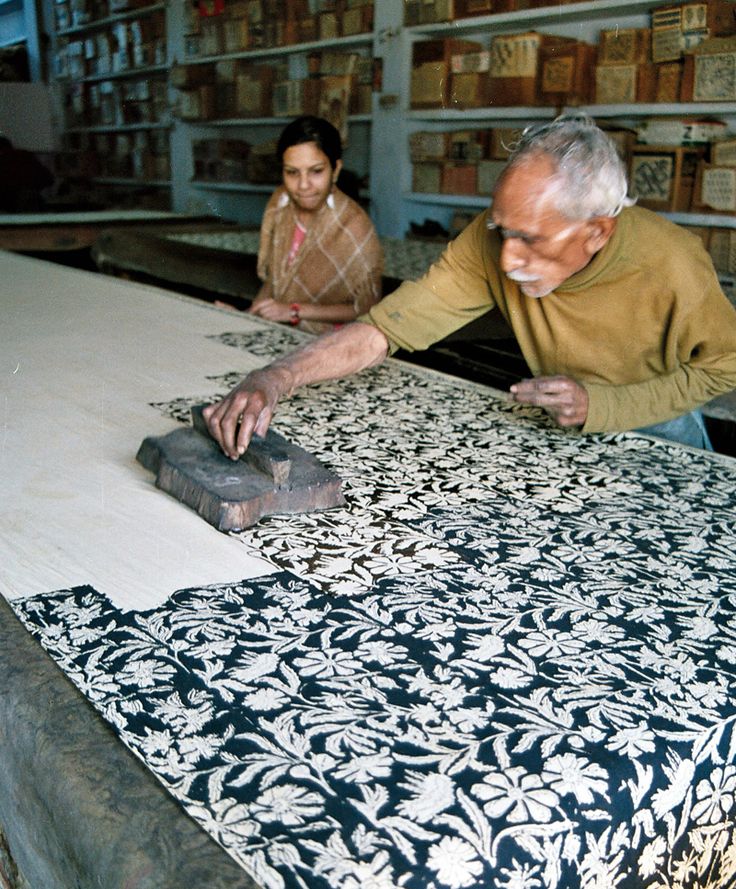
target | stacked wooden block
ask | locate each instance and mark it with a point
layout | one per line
(331, 84)
(217, 27)
(464, 162)
(683, 57)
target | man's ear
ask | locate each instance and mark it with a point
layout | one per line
(600, 229)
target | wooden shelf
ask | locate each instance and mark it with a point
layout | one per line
(120, 128)
(261, 121)
(98, 24)
(116, 75)
(337, 43)
(540, 112)
(532, 18)
(121, 180)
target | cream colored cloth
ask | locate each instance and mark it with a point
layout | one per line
(339, 262)
(82, 358)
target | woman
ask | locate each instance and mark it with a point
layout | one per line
(319, 257)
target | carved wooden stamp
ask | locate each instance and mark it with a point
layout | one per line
(273, 476)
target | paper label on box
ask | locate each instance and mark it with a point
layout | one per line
(428, 83)
(515, 56)
(724, 153)
(668, 17)
(557, 75)
(668, 82)
(719, 189)
(651, 176)
(666, 45)
(715, 78)
(470, 62)
(615, 84)
(722, 249)
(694, 17)
(618, 46)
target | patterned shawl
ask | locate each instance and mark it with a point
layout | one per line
(340, 260)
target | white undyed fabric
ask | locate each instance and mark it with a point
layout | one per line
(82, 356)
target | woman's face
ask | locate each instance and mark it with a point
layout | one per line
(308, 176)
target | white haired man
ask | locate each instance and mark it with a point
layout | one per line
(617, 311)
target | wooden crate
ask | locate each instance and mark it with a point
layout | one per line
(663, 176)
(428, 146)
(514, 68)
(709, 73)
(469, 90)
(624, 84)
(501, 140)
(715, 189)
(488, 173)
(427, 178)
(624, 46)
(254, 91)
(566, 74)
(430, 70)
(459, 178)
(723, 152)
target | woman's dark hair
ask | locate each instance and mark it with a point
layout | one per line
(311, 129)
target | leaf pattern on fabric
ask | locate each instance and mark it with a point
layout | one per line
(508, 661)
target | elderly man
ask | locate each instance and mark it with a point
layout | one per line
(617, 311)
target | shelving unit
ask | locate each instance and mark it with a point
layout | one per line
(581, 20)
(378, 140)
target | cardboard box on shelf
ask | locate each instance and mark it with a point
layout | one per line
(680, 131)
(427, 178)
(467, 145)
(459, 178)
(428, 146)
(488, 173)
(663, 176)
(235, 35)
(358, 20)
(469, 8)
(715, 188)
(199, 103)
(430, 70)
(253, 91)
(566, 76)
(469, 90)
(501, 140)
(709, 73)
(624, 46)
(515, 66)
(723, 152)
(669, 82)
(189, 77)
(722, 249)
(625, 84)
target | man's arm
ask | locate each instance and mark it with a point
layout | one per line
(248, 409)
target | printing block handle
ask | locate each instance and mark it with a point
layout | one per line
(263, 454)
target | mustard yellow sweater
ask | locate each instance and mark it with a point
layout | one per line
(645, 327)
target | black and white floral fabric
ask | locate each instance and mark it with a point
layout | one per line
(509, 661)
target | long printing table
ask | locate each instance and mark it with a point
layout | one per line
(75, 230)
(508, 660)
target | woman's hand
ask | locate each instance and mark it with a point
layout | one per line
(270, 309)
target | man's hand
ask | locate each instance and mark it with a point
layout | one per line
(247, 410)
(564, 400)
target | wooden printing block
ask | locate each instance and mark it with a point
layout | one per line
(273, 477)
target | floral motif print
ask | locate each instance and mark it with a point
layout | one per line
(506, 663)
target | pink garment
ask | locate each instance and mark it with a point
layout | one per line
(297, 239)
